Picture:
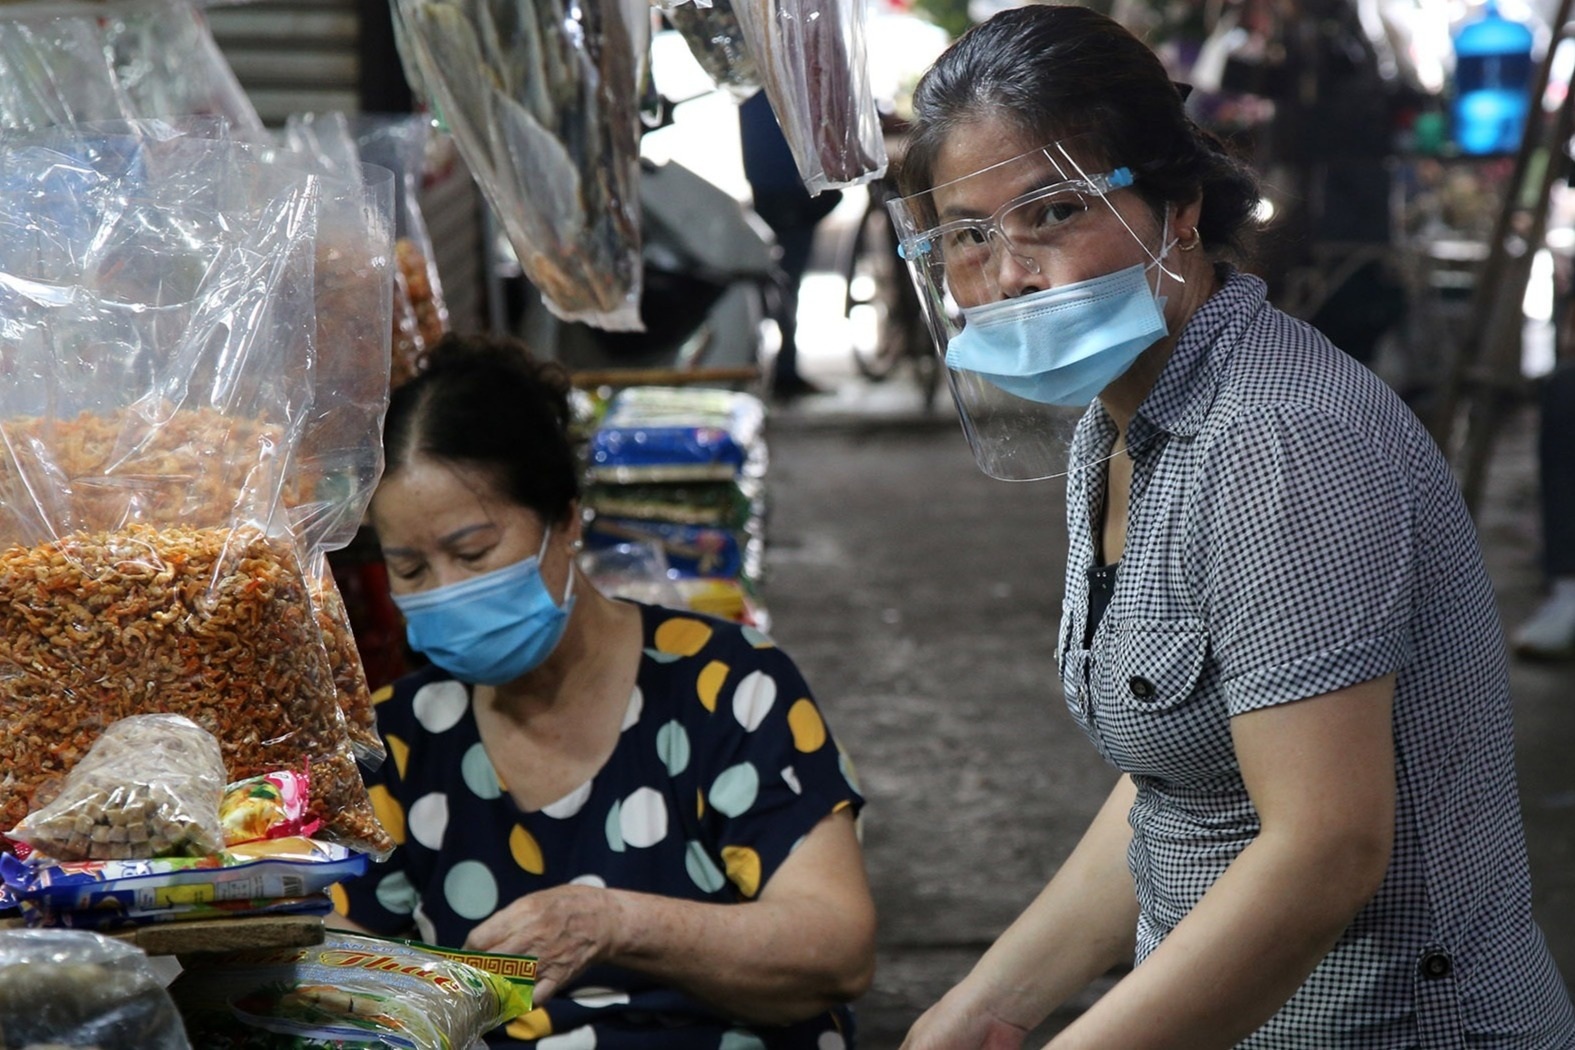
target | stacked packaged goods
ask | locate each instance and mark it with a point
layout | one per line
(676, 475)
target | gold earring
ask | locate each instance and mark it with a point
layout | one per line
(1190, 241)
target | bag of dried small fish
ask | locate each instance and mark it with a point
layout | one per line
(811, 58)
(148, 787)
(61, 988)
(541, 99)
(167, 449)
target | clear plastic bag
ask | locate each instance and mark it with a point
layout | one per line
(149, 787)
(68, 63)
(542, 106)
(397, 142)
(171, 447)
(716, 39)
(76, 988)
(351, 991)
(811, 59)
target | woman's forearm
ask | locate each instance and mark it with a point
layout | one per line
(1081, 924)
(1236, 958)
(806, 945)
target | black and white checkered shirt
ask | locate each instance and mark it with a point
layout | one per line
(1294, 530)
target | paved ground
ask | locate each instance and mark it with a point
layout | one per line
(920, 598)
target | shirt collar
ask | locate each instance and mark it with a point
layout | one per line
(1181, 396)
(1184, 392)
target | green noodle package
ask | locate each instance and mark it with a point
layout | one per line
(352, 991)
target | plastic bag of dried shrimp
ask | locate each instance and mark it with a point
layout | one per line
(170, 448)
(397, 142)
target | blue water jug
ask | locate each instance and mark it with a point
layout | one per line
(1492, 82)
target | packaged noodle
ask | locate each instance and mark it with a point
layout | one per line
(351, 991)
(149, 786)
(269, 806)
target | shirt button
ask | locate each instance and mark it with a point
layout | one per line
(1140, 687)
(1435, 964)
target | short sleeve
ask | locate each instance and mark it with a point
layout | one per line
(384, 899)
(769, 768)
(1304, 531)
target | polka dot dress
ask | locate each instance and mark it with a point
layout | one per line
(723, 764)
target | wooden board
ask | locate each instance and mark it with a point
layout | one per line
(218, 935)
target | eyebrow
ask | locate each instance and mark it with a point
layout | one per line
(953, 214)
(443, 541)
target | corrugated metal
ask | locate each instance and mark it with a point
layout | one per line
(451, 206)
(293, 55)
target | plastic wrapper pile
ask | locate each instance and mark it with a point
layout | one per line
(194, 371)
(70, 63)
(675, 487)
(352, 991)
(144, 830)
(541, 98)
(61, 988)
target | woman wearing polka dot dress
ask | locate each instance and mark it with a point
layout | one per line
(646, 800)
(1276, 624)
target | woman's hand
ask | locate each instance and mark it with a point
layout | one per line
(566, 928)
(961, 1022)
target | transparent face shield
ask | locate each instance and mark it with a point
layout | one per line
(1025, 254)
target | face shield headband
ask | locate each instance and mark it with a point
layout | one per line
(999, 257)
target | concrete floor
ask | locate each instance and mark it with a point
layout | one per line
(920, 598)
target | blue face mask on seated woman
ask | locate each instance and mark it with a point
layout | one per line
(493, 628)
(1062, 345)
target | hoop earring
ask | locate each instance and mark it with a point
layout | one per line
(1191, 241)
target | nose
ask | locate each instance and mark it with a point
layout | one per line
(1017, 275)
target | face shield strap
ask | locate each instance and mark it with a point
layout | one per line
(1166, 242)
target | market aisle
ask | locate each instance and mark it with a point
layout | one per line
(920, 599)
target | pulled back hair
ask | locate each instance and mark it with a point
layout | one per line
(1053, 72)
(483, 402)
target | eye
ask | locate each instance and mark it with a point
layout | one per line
(965, 237)
(1055, 211)
(406, 570)
(472, 557)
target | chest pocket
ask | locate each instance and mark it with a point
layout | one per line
(1151, 665)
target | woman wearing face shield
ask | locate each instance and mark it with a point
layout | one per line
(1276, 627)
(647, 800)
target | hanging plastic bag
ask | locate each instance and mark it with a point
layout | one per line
(397, 142)
(164, 457)
(542, 107)
(68, 63)
(150, 786)
(811, 58)
(75, 988)
(716, 39)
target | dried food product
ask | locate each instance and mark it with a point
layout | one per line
(79, 989)
(149, 787)
(430, 312)
(344, 658)
(354, 990)
(99, 470)
(211, 623)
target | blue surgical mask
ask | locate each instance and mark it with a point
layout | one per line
(490, 629)
(1063, 345)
